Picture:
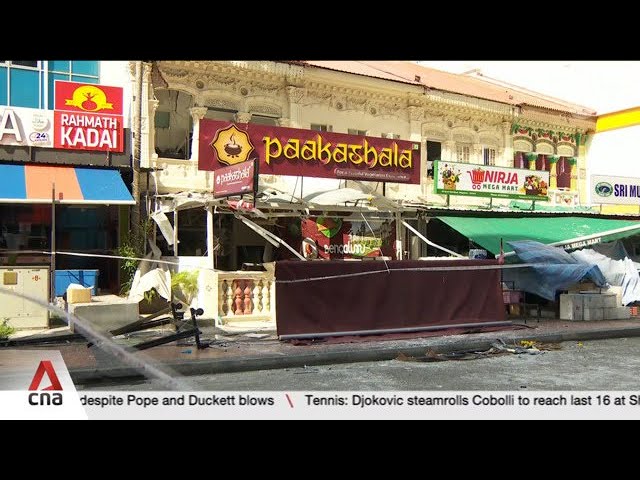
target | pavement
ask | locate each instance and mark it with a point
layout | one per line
(257, 347)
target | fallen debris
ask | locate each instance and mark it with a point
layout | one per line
(530, 347)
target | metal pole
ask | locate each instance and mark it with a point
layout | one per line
(399, 243)
(429, 242)
(175, 231)
(210, 245)
(52, 275)
(394, 330)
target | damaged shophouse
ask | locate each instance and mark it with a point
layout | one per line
(247, 163)
(65, 167)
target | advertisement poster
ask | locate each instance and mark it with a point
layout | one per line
(607, 189)
(26, 127)
(336, 238)
(308, 153)
(88, 117)
(486, 181)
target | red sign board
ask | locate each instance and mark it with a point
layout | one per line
(88, 98)
(293, 151)
(88, 117)
(235, 179)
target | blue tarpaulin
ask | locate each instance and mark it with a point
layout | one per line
(557, 269)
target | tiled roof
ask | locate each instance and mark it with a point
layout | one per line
(489, 89)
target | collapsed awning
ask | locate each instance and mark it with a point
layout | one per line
(569, 232)
(73, 185)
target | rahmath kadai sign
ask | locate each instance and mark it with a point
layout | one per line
(88, 117)
(308, 153)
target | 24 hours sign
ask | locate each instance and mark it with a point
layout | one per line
(88, 117)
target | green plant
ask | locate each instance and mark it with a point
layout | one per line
(5, 329)
(149, 295)
(184, 285)
(133, 247)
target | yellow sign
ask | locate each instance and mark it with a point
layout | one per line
(89, 98)
(232, 145)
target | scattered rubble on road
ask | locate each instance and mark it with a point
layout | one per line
(499, 347)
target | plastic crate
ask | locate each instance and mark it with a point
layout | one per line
(86, 278)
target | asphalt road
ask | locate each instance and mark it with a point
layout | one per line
(612, 364)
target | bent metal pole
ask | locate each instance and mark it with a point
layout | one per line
(392, 330)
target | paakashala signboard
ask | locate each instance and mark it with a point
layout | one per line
(308, 153)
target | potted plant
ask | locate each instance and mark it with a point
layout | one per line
(6, 330)
(184, 286)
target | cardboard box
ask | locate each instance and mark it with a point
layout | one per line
(79, 295)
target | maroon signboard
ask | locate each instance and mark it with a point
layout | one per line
(293, 151)
(336, 238)
(235, 179)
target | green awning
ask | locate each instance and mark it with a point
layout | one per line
(572, 232)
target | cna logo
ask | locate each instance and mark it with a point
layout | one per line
(232, 145)
(44, 398)
(89, 98)
(45, 367)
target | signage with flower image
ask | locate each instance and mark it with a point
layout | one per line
(336, 238)
(453, 178)
(450, 177)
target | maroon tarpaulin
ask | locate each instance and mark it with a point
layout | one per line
(364, 296)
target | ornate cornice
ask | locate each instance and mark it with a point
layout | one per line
(203, 78)
(555, 120)
(415, 112)
(295, 94)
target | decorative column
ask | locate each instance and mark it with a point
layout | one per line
(476, 154)
(416, 117)
(197, 114)
(284, 122)
(295, 96)
(583, 185)
(145, 146)
(573, 161)
(153, 106)
(507, 138)
(553, 173)
(532, 157)
(450, 150)
(243, 117)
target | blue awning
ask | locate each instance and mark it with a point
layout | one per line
(71, 185)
